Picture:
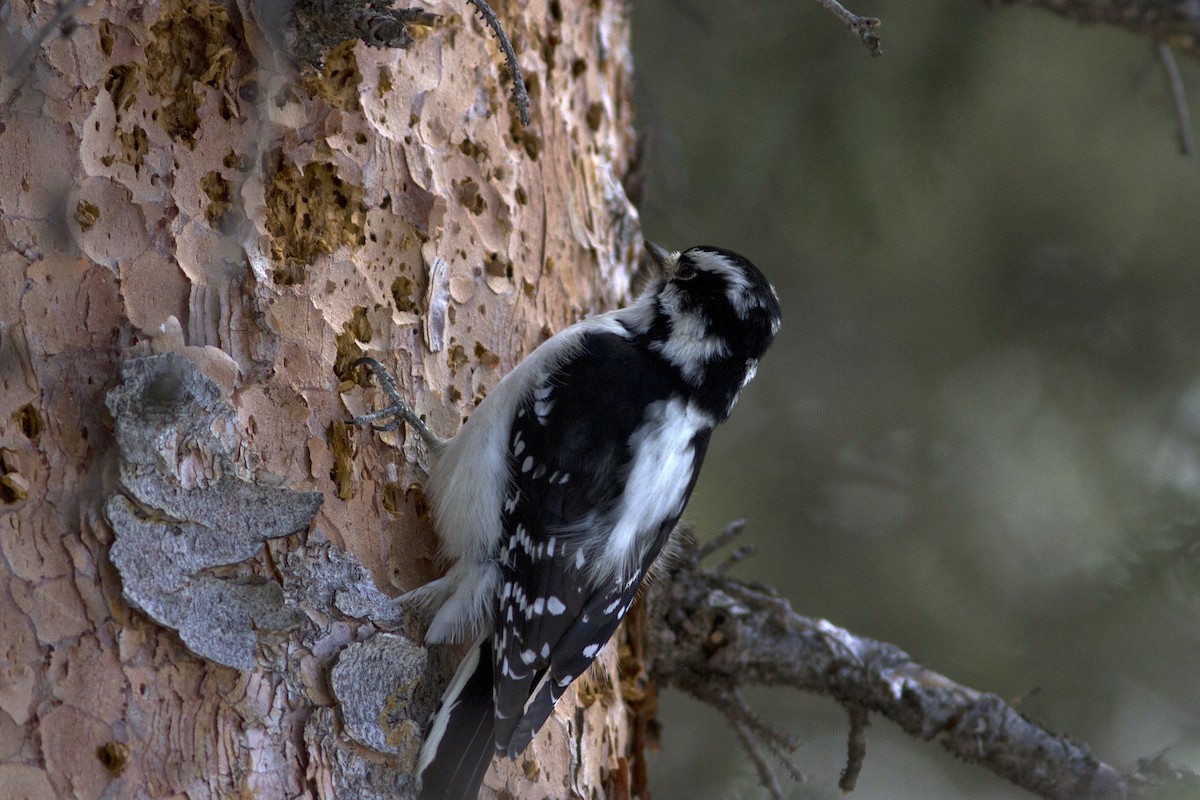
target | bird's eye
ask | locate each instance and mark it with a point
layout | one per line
(685, 272)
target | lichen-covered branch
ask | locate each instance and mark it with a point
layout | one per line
(317, 25)
(711, 635)
(1176, 22)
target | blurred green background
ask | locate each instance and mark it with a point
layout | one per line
(978, 434)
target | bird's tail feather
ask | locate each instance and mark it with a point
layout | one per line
(461, 739)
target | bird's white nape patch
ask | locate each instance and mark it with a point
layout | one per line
(738, 288)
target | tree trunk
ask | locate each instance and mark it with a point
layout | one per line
(171, 622)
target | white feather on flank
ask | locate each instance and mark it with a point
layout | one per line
(464, 598)
(449, 700)
(658, 480)
(654, 491)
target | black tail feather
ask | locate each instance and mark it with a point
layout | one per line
(461, 739)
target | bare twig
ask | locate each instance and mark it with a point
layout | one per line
(732, 531)
(731, 703)
(520, 96)
(738, 555)
(856, 748)
(710, 634)
(398, 412)
(765, 775)
(1180, 95)
(865, 27)
(753, 733)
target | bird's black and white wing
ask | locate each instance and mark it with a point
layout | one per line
(577, 538)
(573, 452)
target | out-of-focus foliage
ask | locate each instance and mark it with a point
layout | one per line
(978, 435)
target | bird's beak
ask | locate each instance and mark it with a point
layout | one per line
(663, 258)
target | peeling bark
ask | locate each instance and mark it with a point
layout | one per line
(205, 238)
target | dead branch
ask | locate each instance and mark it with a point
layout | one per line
(856, 748)
(1176, 23)
(712, 635)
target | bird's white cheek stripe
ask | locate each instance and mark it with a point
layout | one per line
(689, 346)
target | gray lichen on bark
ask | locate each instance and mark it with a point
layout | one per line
(192, 517)
(177, 188)
(185, 511)
(373, 681)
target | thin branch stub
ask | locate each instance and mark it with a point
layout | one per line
(865, 27)
(520, 96)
